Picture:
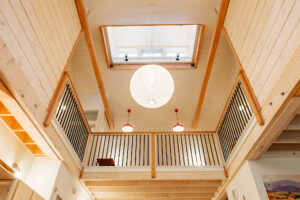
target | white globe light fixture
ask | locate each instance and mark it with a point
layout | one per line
(151, 86)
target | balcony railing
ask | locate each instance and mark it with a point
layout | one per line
(67, 116)
(235, 119)
(186, 150)
(130, 150)
(170, 150)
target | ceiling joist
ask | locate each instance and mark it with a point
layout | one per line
(212, 53)
(88, 38)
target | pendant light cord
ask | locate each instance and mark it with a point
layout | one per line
(128, 115)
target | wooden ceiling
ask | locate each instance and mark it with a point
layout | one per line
(153, 189)
(288, 142)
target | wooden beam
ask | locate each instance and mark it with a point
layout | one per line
(153, 156)
(289, 136)
(297, 93)
(105, 43)
(285, 146)
(212, 53)
(155, 198)
(199, 44)
(160, 175)
(6, 166)
(88, 38)
(128, 195)
(154, 189)
(55, 99)
(155, 183)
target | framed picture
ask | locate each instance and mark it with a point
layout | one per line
(282, 187)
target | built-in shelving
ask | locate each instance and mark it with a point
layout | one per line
(19, 132)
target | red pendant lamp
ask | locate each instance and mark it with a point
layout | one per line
(127, 127)
(177, 127)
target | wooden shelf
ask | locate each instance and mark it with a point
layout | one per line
(19, 132)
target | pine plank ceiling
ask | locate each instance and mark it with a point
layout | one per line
(187, 82)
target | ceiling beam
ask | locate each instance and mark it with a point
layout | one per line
(128, 195)
(121, 189)
(84, 23)
(155, 183)
(160, 175)
(212, 53)
(161, 198)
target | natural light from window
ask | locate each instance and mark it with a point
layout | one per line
(151, 44)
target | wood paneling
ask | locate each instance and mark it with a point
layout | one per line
(212, 53)
(153, 189)
(83, 18)
(264, 34)
(40, 35)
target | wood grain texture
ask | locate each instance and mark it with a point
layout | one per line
(212, 53)
(85, 26)
(264, 36)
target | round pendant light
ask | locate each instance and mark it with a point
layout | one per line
(151, 86)
(127, 128)
(178, 127)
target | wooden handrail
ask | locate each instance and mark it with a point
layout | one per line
(55, 98)
(227, 101)
(246, 84)
(252, 98)
(212, 53)
(77, 98)
(153, 132)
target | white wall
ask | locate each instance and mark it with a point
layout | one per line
(42, 176)
(50, 178)
(244, 184)
(13, 150)
(68, 186)
(248, 180)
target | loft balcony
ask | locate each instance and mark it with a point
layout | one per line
(156, 157)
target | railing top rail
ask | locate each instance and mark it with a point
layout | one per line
(153, 132)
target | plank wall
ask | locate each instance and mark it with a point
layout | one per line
(40, 36)
(265, 34)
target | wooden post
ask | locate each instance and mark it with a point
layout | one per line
(153, 175)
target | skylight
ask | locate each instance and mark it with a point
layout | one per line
(163, 44)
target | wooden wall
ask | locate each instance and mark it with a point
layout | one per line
(40, 36)
(265, 34)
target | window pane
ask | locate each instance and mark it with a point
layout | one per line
(144, 44)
